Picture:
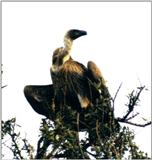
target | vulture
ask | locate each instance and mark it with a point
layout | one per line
(72, 81)
(73, 84)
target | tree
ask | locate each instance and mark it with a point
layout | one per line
(60, 136)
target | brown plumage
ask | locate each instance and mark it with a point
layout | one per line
(71, 79)
(73, 83)
(96, 75)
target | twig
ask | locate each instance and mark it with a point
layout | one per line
(135, 124)
(17, 151)
(51, 155)
(39, 143)
(78, 121)
(132, 117)
(8, 147)
(28, 148)
(94, 155)
(97, 130)
(4, 86)
(41, 151)
(113, 99)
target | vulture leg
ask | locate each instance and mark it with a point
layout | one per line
(41, 98)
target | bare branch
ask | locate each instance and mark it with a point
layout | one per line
(132, 116)
(113, 99)
(135, 124)
(4, 86)
(117, 91)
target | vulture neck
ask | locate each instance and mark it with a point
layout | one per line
(68, 44)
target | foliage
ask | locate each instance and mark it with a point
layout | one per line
(9, 129)
(105, 137)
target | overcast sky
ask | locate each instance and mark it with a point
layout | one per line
(118, 41)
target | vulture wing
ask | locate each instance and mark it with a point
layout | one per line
(40, 97)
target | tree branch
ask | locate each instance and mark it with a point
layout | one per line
(113, 99)
(133, 100)
(132, 116)
(135, 124)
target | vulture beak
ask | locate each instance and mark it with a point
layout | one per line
(74, 34)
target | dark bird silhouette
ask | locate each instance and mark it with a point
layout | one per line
(73, 84)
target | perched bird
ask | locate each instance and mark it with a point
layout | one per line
(78, 94)
(74, 84)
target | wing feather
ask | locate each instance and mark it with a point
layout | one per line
(40, 97)
(95, 74)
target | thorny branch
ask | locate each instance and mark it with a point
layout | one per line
(133, 101)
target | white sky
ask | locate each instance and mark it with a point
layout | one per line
(118, 41)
